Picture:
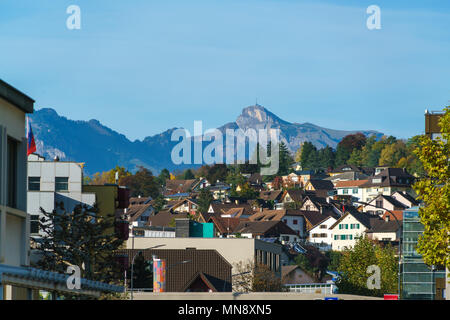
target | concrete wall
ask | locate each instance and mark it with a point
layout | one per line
(233, 250)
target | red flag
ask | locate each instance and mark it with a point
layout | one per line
(30, 138)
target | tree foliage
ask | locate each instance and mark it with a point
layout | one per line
(79, 238)
(254, 277)
(434, 190)
(354, 263)
(142, 183)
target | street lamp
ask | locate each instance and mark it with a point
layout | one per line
(132, 265)
(399, 240)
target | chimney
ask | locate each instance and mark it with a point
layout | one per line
(56, 159)
(386, 218)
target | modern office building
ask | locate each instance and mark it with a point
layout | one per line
(54, 184)
(419, 281)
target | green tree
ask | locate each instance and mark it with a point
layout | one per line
(346, 146)
(218, 172)
(306, 149)
(142, 272)
(205, 198)
(79, 238)
(434, 190)
(392, 153)
(326, 158)
(163, 176)
(356, 158)
(188, 174)
(142, 183)
(354, 264)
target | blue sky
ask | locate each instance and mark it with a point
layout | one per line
(141, 67)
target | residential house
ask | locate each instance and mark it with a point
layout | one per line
(187, 205)
(385, 230)
(291, 217)
(347, 176)
(381, 203)
(181, 188)
(387, 182)
(291, 198)
(348, 229)
(224, 226)
(220, 191)
(266, 229)
(320, 187)
(325, 206)
(405, 198)
(346, 168)
(320, 233)
(350, 188)
(240, 210)
(139, 213)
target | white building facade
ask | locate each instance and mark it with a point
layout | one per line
(53, 183)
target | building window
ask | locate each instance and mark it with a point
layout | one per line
(12, 149)
(345, 191)
(34, 223)
(355, 190)
(323, 226)
(379, 203)
(294, 221)
(34, 183)
(61, 184)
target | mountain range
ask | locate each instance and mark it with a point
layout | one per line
(102, 148)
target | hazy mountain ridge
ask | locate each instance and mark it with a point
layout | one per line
(102, 148)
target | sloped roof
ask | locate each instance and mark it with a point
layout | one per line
(214, 267)
(363, 218)
(140, 200)
(221, 208)
(270, 195)
(163, 218)
(266, 228)
(322, 184)
(296, 194)
(179, 186)
(380, 225)
(314, 217)
(407, 196)
(390, 177)
(225, 225)
(350, 183)
(136, 210)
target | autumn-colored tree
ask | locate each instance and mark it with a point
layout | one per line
(277, 183)
(346, 146)
(392, 153)
(434, 190)
(101, 178)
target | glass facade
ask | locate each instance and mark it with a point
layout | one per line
(418, 279)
